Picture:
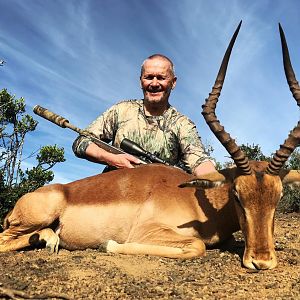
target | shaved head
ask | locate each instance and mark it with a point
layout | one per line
(162, 57)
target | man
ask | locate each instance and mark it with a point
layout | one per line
(152, 123)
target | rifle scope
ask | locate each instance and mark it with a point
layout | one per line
(135, 149)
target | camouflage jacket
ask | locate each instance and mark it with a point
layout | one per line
(172, 136)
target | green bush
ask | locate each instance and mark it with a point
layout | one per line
(290, 201)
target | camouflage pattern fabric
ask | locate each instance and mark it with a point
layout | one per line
(172, 136)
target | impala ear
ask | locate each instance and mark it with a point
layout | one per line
(206, 181)
(200, 184)
(290, 177)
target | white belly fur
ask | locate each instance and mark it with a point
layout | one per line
(88, 226)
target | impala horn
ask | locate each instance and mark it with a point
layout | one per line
(208, 112)
(293, 140)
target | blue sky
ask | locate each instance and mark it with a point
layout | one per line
(78, 58)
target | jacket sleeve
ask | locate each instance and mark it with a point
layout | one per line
(192, 149)
(104, 127)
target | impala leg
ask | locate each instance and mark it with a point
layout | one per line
(11, 242)
(28, 224)
(160, 241)
(195, 248)
(46, 235)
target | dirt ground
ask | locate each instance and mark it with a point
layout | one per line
(91, 274)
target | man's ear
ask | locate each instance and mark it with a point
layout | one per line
(290, 177)
(174, 82)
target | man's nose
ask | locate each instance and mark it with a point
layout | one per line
(154, 82)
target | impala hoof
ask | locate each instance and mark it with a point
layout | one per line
(53, 244)
(111, 246)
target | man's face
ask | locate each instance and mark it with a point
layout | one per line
(157, 81)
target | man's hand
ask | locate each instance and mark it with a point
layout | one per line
(120, 161)
(205, 168)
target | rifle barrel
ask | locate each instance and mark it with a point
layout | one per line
(64, 123)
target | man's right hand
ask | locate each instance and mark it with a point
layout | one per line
(120, 161)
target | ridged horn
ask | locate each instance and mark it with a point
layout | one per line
(208, 112)
(293, 140)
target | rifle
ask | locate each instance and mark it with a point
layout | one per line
(136, 150)
(127, 146)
